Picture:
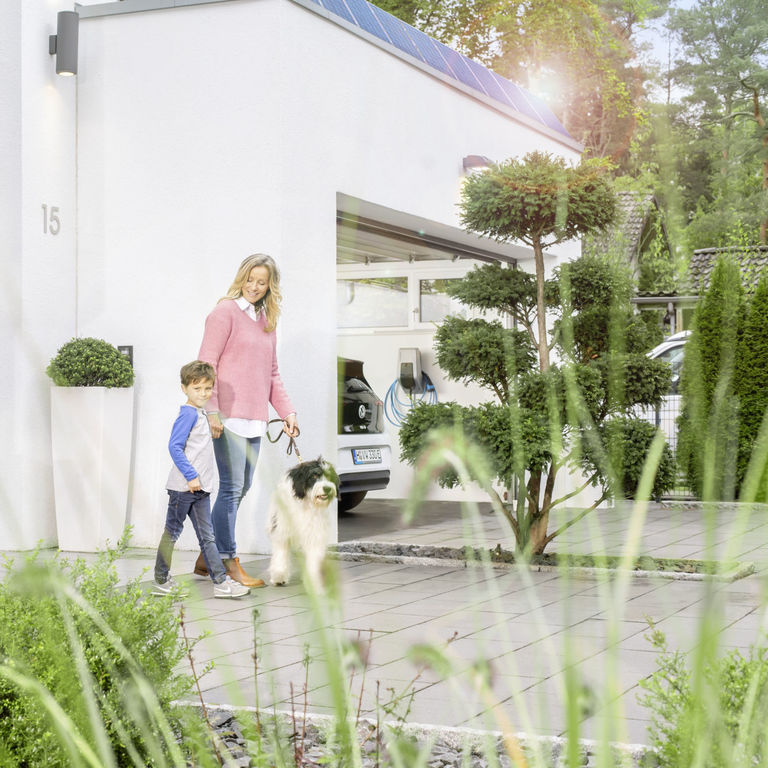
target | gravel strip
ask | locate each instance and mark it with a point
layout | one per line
(454, 557)
(450, 747)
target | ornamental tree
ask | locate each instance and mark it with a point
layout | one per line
(540, 201)
(576, 414)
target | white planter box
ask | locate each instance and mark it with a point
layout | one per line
(91, 429)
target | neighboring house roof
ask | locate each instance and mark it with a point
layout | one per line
(437, 56)
(633, 229)
(752, 262)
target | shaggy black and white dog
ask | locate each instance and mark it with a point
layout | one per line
(298, 519)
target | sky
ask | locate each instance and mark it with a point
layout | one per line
(662, 47)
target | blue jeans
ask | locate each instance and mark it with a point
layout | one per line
(197, 506)
(236, 460)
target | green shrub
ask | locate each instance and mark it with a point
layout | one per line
(509, 436)
(723, 387)
(707, 441)
(657, 275)
(90, 363)
(629, 441)
(90, 644)
(751, 383)
(484, 353)
(712, 715)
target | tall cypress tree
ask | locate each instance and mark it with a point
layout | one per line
(707, 443)
(752, 382)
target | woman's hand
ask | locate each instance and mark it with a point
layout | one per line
(290, 425)
(214, 422)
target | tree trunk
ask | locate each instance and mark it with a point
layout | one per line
(541, 307)
(538, 533)
(764, 222)
(760, 120)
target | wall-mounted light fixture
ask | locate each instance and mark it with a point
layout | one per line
(64, 43)
(475, 163)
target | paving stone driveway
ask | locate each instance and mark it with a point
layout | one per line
(530, 625)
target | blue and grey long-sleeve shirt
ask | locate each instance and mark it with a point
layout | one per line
(191, 448)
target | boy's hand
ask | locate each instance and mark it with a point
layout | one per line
(214, 422)
(194, 485)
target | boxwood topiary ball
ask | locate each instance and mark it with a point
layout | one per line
(90, 362)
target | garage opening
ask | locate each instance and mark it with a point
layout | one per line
(391, 296)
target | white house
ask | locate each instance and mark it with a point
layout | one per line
(328, 135)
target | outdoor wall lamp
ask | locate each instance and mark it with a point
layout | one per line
(475, 163)
(64, 42)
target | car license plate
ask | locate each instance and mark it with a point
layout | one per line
(366, 455)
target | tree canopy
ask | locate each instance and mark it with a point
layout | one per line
(691, 128)
(539, 200)
(576, 415)
(578, 52)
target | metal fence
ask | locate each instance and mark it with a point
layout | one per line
(665, 418)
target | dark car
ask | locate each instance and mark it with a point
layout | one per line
(364, 454)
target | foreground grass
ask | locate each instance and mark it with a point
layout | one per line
(91, 702)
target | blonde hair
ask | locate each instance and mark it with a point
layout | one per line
(271, 300)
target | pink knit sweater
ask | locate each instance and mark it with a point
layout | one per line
(243, 356)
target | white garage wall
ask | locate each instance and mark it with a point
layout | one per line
(37, 296)
(209, 132)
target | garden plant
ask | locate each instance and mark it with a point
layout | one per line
(723, 386)
(89, 362)
(89, 670)
(575, 414)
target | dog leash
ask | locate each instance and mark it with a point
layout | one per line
(292, 447)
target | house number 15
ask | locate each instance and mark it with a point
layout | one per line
(51, 223)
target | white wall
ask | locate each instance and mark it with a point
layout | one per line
(213, 131)
(37, 298)
(179, 180)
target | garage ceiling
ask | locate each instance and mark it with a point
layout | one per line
(365, 241)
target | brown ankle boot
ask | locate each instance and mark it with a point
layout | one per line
(235, 571)
(200, 569)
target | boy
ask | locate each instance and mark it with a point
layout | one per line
(189, 485)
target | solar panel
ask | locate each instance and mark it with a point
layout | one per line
(435, 54)
(337, 7)
(487, 81)
(517, 97)
(365, 19)
(428, 50)
(547, 116)
(460, 70)
(396, 31)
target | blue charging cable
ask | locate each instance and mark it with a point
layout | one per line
(396, 408)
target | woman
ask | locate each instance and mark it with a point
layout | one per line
(239, 341)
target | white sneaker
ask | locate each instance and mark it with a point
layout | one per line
(170, 586)
(229, 588)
